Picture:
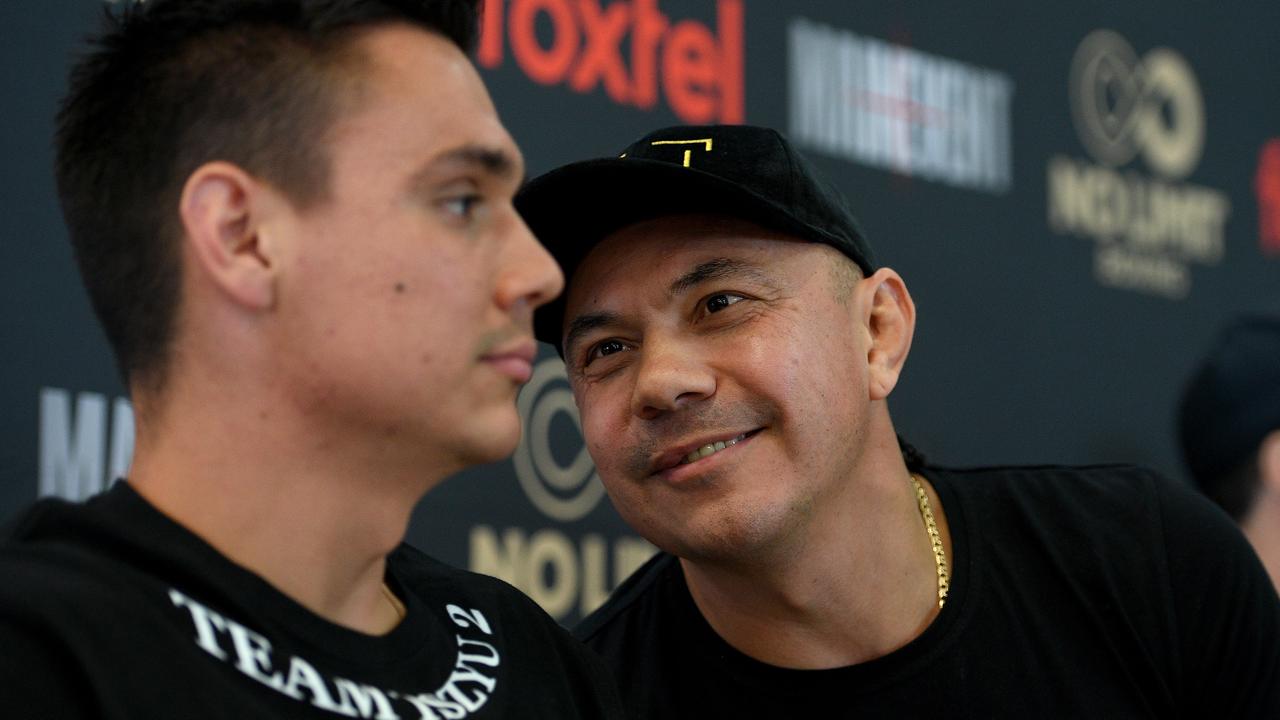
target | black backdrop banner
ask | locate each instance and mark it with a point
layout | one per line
(1077, 194)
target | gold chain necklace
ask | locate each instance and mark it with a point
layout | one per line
(935, 539)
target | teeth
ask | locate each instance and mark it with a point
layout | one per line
(711, 449)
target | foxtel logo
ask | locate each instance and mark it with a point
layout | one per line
(700, 72)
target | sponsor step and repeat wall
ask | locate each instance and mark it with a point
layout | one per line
(1077, 195)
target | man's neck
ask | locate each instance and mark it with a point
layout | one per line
(310, 512)
(856, 590)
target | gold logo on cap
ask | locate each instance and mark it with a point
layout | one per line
(687, 153)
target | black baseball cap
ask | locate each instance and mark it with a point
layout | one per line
(1232, 401)
(751, 173)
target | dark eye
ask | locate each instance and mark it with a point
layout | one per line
(604, 349)
(716, 303)
(462, 206)
(609, 347)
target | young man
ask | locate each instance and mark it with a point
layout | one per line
(731, 345)
(1229, 427)
(294, 220)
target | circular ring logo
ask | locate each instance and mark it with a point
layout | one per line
(563, 493)
(1123, 105)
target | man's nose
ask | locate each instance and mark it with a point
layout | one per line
(532, 278)
(671, 375)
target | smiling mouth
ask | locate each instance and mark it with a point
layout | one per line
(712, 448)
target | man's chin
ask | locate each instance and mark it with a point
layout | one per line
(493, 442)
(722, 536)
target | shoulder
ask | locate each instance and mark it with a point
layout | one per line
(41, 521)
(1125, 531)
(53, 558)
(528, 636)
(1060, 496)
(437, 581)
(1101, 497)
(113, 526)
(69, 609)
(1095, 532)
(634, 604)
(43, 678)
(1062, 480)
(432, 578)
(1161, 559)
(486, 600)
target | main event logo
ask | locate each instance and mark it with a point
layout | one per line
(1146, 231)
(79, 454)
(699, 72)
(892, 107)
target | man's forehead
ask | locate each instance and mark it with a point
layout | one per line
(667, 269)
(656, 254)
(399, 110)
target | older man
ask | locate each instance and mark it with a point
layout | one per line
(294, 220)
(732, 344)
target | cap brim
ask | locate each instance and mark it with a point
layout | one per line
(573, 208)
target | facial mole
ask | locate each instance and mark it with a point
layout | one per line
(399, 287)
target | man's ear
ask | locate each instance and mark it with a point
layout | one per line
(890, 317)
(221, 209)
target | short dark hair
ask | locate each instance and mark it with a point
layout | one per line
(169, 85)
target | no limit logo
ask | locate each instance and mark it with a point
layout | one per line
(1147, 231)
(566, 571)
(1122, 106)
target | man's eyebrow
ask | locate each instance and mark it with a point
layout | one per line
(714, 269)
(584, 324)
(492, 160)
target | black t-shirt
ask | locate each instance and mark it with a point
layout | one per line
(1075, 593)
(109, 609)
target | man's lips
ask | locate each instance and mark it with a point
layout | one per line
(693, 451)
(515, 360)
